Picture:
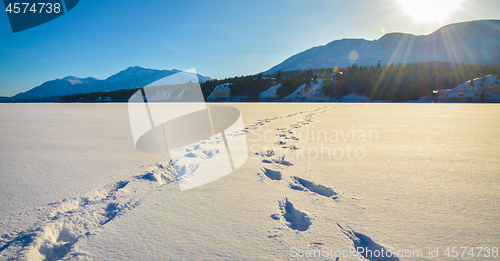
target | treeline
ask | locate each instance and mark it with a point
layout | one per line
(116, 96)
(249, 87)
(394, 82)
(403, 82)
(245, 86)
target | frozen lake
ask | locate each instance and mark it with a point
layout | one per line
(397, 177)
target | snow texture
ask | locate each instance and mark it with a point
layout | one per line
(404, 194)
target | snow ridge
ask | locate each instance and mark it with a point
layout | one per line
(220, 93)
(69, 220)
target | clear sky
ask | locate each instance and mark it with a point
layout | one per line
(218, 38)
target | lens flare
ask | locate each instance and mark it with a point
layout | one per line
(429, 10)
(353, 55)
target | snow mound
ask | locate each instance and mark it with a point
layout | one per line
(70, 220)
(220, 93)
(299, 94)
(270, 94)
(489, 84)
(308, 92)
(479, 83)
(487, 87)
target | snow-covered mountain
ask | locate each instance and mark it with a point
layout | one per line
(132, 77)
(468, 42)
(67, 85)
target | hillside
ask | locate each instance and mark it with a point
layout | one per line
(468, 42)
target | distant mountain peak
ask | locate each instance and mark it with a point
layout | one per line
(71, 78)
(460, 42)
(132, 77)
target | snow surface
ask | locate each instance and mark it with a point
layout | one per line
(490, 80)
(55, 151)
(75, 188)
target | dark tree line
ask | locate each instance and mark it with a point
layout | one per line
(245, 86)
(116, 96)
(403, 82)
(394, 82)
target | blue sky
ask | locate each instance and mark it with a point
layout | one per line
(218, 38)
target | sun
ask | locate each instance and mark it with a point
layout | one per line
(429, 10)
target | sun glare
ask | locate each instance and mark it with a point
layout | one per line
(429, 10)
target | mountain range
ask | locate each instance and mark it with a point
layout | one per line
(467, 42)
(132, 77)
